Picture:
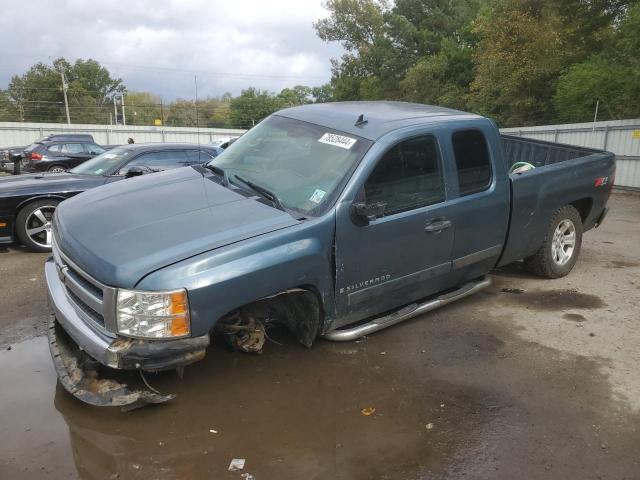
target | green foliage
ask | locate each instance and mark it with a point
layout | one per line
(521, 62)
(37, 95)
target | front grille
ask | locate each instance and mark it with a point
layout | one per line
(93, 301)
(96, 291)
(86, 309)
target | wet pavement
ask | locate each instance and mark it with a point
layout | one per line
(529, 379)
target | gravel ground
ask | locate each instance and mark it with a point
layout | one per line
(537, 384)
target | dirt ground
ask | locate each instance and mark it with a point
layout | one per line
(532, 379)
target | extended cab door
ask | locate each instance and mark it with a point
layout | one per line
(480, 202)
(405, 253)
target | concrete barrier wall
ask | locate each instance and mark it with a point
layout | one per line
(19, 134)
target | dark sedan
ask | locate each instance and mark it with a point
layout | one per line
(27, 202)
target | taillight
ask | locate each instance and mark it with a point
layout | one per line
(35, 156)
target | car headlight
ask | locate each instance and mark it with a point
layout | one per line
(153, 314)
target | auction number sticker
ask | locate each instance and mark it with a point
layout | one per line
(338, 140)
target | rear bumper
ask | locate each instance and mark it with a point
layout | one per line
(117, 352)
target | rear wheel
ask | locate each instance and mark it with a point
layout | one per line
(33, 224)
(57, 169)
(561, 247)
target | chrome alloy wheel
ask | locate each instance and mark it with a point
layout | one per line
(38, 225)
(563, 243)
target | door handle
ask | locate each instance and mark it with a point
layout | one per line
(437, 225)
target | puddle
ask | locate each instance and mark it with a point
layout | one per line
(452, 398)
(553, 300)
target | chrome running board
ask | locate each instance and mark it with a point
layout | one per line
(347, 334)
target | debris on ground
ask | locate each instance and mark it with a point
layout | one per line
(236, 464)
(368, 411)
(383, 353)
(429, 426)
(247, 476)
(512, 290)
(211, 430)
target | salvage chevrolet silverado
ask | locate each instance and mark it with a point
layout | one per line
(335, 220)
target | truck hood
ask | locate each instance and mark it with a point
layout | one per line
(121, 232)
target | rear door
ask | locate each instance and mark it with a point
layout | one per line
(405, 253)
(75, 153)
(481, 210)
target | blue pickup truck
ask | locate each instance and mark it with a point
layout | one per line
(334, 220)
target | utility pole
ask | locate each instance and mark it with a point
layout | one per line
(124, 119)
(161, 112)
(65, 87)
(115, 110)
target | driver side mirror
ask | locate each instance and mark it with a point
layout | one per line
(136, 171)
(364, 213)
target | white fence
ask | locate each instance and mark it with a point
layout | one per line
(621, 137)
(13, 134)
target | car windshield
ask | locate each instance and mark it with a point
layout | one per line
(303, 164)
(103, 163)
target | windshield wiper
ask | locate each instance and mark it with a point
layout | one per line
(268, 194)
(221, 172)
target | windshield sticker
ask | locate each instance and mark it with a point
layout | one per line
(338, 140)
(317, 196)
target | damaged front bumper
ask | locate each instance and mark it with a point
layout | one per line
(79, 348)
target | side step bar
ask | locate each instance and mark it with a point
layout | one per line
(348, 334)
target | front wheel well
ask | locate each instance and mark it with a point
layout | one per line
(29, 201)
(299, 309)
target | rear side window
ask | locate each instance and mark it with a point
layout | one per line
(408, 176)
(472, 161)
(72, 148)
(54, 148)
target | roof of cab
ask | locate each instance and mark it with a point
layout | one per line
(381, 117)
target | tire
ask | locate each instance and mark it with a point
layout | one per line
(57, 169)
(561, 246)
(33, 224)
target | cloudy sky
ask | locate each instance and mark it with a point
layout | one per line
(158, 45)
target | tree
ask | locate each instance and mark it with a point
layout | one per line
(143, 108)
(389, 47)
(37, 95)
(251, 106)
(298, 95)
(596, 80)
(518, 60)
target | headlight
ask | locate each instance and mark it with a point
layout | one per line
(153, 314)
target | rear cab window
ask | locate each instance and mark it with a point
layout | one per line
(473, 162)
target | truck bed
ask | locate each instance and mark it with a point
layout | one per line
(564, 174)
(540, 153)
